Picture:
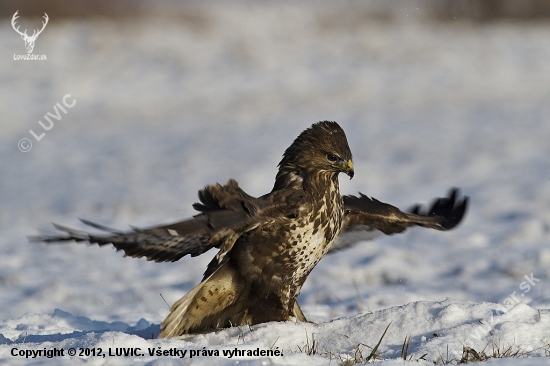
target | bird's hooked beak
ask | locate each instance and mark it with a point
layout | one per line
(348, 169)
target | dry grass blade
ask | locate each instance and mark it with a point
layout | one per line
(405, 348)
(471, 355)
(373, 352)
(310, 349)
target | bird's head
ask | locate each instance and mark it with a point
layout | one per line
(322, 148)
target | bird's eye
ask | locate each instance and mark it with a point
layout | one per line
(332, 158)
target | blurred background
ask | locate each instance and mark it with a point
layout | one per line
(473, 10)
(171, 96)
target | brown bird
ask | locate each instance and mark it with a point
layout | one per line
(268, 245)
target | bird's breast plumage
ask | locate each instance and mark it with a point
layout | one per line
(312, 234)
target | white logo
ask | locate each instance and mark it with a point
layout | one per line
(29, 41)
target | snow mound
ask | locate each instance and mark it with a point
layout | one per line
(432, 326)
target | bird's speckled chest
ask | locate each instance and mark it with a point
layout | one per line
(312, 234)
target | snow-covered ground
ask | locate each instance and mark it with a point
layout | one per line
(165, 105)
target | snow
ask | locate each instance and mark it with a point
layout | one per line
(167, 104)
(438, 330)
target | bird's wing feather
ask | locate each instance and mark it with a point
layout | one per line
(160, 244)
(366, 218)
(225, 212)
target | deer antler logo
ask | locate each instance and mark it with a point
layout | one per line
(29, 41)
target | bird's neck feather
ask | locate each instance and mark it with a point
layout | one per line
(289, 177)
(314, 182)
(319, 184)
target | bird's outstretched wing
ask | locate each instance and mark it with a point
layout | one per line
(225, 212)
(366, 218)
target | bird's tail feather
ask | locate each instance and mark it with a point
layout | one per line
(212, 304)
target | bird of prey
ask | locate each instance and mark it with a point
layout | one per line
(267, 246)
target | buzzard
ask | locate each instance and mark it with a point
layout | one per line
(267, 246)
